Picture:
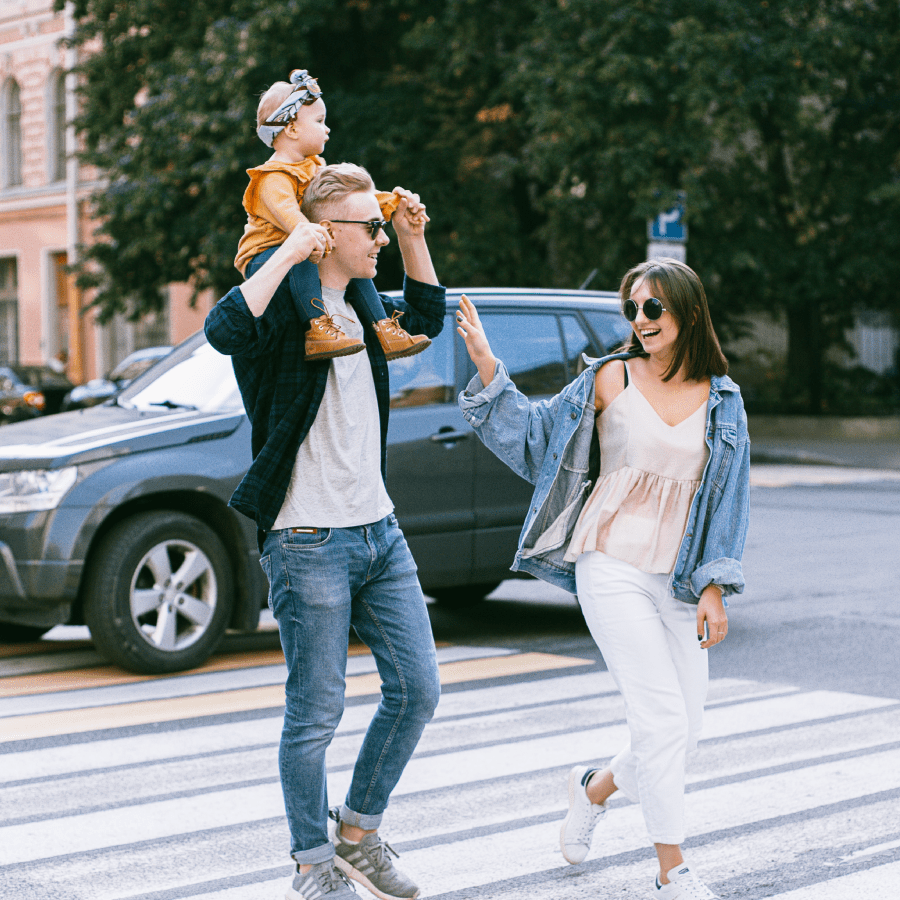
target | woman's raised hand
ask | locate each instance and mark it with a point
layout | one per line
(468, 324)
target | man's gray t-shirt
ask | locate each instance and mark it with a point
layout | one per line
(336, 481)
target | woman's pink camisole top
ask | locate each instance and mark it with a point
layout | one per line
(649, 473)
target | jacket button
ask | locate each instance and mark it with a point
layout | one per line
(574, 415)
(554, 456)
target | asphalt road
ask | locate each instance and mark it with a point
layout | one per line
(114, 786)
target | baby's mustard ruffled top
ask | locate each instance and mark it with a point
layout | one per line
(272, 201)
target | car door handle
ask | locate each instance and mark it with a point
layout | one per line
(448, 435)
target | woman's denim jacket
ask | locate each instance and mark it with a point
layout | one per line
(553, 444)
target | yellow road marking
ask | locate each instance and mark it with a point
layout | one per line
(105, 676)
(43, 647)
(18, 728)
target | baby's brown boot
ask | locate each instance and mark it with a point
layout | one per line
(396, 342)
(325, 340)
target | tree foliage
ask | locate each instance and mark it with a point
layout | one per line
(541, 134)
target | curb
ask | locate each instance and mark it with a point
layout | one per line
(858, 428)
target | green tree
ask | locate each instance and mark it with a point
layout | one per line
(174, 128)
(780, 121)
(542, 135)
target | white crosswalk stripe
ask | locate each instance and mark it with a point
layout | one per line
(792, 796)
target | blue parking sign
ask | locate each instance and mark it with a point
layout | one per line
(669, 225)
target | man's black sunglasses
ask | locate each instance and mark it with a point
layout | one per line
(653, 309)
(374, 225)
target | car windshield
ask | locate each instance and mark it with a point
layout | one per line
(136, 364)
(193, 376)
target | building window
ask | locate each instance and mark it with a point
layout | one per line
(12, 134)
(57, 130)
(124, 336)
(9, 312)
(152, 329)
(61, 285)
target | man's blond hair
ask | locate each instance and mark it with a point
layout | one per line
(330, 185)
(271, 100)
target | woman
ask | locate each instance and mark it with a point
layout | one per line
(653, 549)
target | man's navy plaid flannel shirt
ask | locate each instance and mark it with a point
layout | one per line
(282, 391)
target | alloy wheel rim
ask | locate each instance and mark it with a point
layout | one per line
(173, 595)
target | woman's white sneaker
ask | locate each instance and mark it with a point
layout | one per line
(578, 826)
(683, 885)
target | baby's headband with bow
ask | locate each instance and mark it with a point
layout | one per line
(306, 91)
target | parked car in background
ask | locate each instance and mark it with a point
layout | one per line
(30, 391)
(98, 390)
(117, 516)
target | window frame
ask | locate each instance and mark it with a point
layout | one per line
(57, 156)
(12, 134)
(537, 310)
(9, 307)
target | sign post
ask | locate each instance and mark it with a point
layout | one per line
(667, 234)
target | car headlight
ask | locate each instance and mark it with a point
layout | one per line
(34, 489)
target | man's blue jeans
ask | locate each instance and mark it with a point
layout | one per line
(323, 581)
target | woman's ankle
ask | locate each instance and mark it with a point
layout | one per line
(669, 856)
(600, 787)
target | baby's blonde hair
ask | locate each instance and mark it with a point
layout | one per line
(271, 100)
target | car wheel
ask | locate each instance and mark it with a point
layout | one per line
(159, 593)
(463, 595)
(20, 634)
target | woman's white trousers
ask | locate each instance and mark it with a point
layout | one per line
(649, 643)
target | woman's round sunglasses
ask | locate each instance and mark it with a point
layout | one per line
(653, 309)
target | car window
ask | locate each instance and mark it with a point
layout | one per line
(577, 343)
(610, 328)
(530, 347)
(198, 377)
(427, 377)
(41, 376)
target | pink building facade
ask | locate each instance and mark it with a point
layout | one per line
(44, 212)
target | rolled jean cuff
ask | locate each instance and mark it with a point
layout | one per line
(621, 786)
(316, 855)
(358, 820)
(674, 839)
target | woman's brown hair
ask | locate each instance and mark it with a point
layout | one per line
(681, 292)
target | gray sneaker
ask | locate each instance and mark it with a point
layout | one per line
(369, 862)
(324, 879)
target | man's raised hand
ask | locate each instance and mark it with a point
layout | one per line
(410, 217)
(309, 241)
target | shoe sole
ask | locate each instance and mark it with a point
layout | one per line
(575, 776)
(410, 351)
(334, 354)
(358, 876)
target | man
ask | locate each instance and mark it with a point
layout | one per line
(331, 547)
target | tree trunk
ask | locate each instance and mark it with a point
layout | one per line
(803, 389)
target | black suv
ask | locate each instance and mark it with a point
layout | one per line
(116, 516)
